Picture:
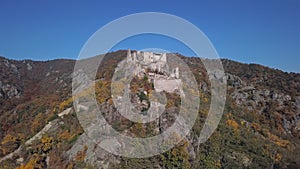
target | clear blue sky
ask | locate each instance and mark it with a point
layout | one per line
(255, 31)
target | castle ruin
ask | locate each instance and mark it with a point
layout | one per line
(154, 61)
(157, 68)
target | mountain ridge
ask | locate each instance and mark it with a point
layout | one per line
(222, 59)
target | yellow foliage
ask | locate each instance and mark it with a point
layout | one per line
(65, 135)
(47, 143)
(37, 122)
(278, 157)
(233, 124)
(65, 103)
(283, 143)
(47, 140)
(100, 88)
(102, 91)
(219, 164)
(280, 142)
(242, 122)
(178, 156)
(34, 163)
(205, 111)
(228, 115)
(8, 144)
(8, 138)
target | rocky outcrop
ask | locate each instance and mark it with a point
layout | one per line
(262, 100)
(8, 91)
(95, 155)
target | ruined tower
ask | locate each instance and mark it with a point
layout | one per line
(129, 58)
(177, 73)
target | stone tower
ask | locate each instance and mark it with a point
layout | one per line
(129, 59)
(177, 73)
(164, 57)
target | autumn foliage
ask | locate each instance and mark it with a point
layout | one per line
(233, 124)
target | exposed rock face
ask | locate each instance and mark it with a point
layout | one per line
(8, 91)
(29, 67)
(260, 100)
(234, 81)
(94, 155)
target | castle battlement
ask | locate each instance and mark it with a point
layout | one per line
(146, 57)
(153, 60)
